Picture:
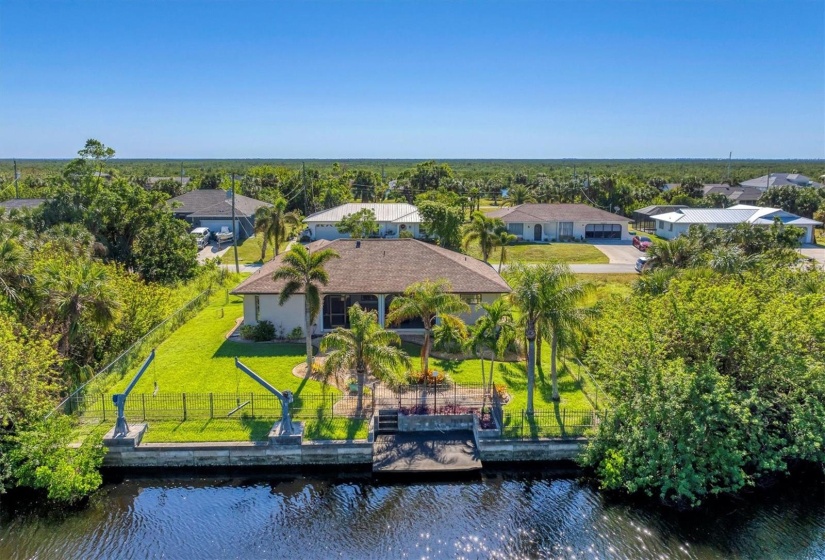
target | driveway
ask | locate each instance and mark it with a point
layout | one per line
(814, 252)
(211, 251)
(619, 252)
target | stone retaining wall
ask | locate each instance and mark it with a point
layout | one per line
(240, 454)
(434, 422)
(506, 451)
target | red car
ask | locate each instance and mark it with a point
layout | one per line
(641, 242)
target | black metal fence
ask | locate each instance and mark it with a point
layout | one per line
(545, 423)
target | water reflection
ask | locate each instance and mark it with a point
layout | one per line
(502, 516)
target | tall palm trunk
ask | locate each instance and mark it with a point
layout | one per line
(308, 331)
(425, 352)
(361, 374)
(263, 247)
(531, 364)
(538, 346)
(553, 348)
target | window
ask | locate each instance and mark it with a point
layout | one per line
(257, 308)
(471, 299)
(565, 230)
(670, 226)
(516, 229)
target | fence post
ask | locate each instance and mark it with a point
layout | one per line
(522, 423)
(103, 400)
(211, 407)
(251, 400)
(563, 421)
(184, 406)
(143, 404)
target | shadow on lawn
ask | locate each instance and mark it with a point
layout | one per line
(231, 349)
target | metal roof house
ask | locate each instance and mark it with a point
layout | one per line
(392, 218)
(673, 224)
(558, 222)
(765, 182)
(643, 217)
(370, 272)
(212, 208)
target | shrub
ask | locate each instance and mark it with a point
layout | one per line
(264, 331)
(295, 334)
(405, 234)
(419, 377)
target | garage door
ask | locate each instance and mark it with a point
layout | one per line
(603, 231)
(216, 225)
(328, 231)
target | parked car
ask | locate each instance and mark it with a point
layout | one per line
(201, 235)
(640, 264)
(642, 242)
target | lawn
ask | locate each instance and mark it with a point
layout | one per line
(608, 285)
(198, 358)
(570, 253)
(249, 251)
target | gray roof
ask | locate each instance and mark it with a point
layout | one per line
(780, 180)
(214, 203)
(658, 209)
(386, 266)
(22, 203)
(741, 213)
(733, 193)
(182, 180)
(555, 213)
(399, 213)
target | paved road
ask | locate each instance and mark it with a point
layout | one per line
(817, 253)
(619, 252)
(611, 268)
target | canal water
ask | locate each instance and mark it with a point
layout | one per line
(501, 515)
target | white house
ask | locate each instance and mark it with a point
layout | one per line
(674, 224)
(392, 218)
(370, 272)
(558, 222)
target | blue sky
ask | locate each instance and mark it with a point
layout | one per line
(315, 79)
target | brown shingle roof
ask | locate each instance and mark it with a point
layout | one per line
(555, 213)
(386, 266)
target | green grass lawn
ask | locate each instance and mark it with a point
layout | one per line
(608, 285)
(570, 253)
(198, 358)
(249, 251)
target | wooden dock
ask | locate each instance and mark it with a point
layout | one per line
(425, 452)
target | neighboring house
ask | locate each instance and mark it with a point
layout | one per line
(764, 182)
(736, 194)
(674, 224)
(392, 218)
(212, 208)
(643, 217)
(558, 222)
(150, 181)
(17, 203)
(370, 272)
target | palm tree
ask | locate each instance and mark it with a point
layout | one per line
(271, 223)
(678, 253)
(475, 198)
(304, 272)
(519, 194)
(494, 331)
(13, 275)
(426, 301)
(77, 291)
(502, 240)
(562, 314)
(482, 230)
(365, 347)
(527, 295)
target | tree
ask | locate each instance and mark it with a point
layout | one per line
(273, 223)
(442, 221)
(13, 275)
(482, 230)
(527, 284)
(210, 181)
(493, 332)
(681, 252)
(502, 240)
(427, 301)
(519, 194)
(304, 272)
(365, 347)
(78, 291)
(166, 252)
(562, 313)
(359, 225)
(96, 151)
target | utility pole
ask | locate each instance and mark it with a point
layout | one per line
(304, 184)
(16, 189)
(234, 232)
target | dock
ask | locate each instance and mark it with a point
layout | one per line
(425, 452)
